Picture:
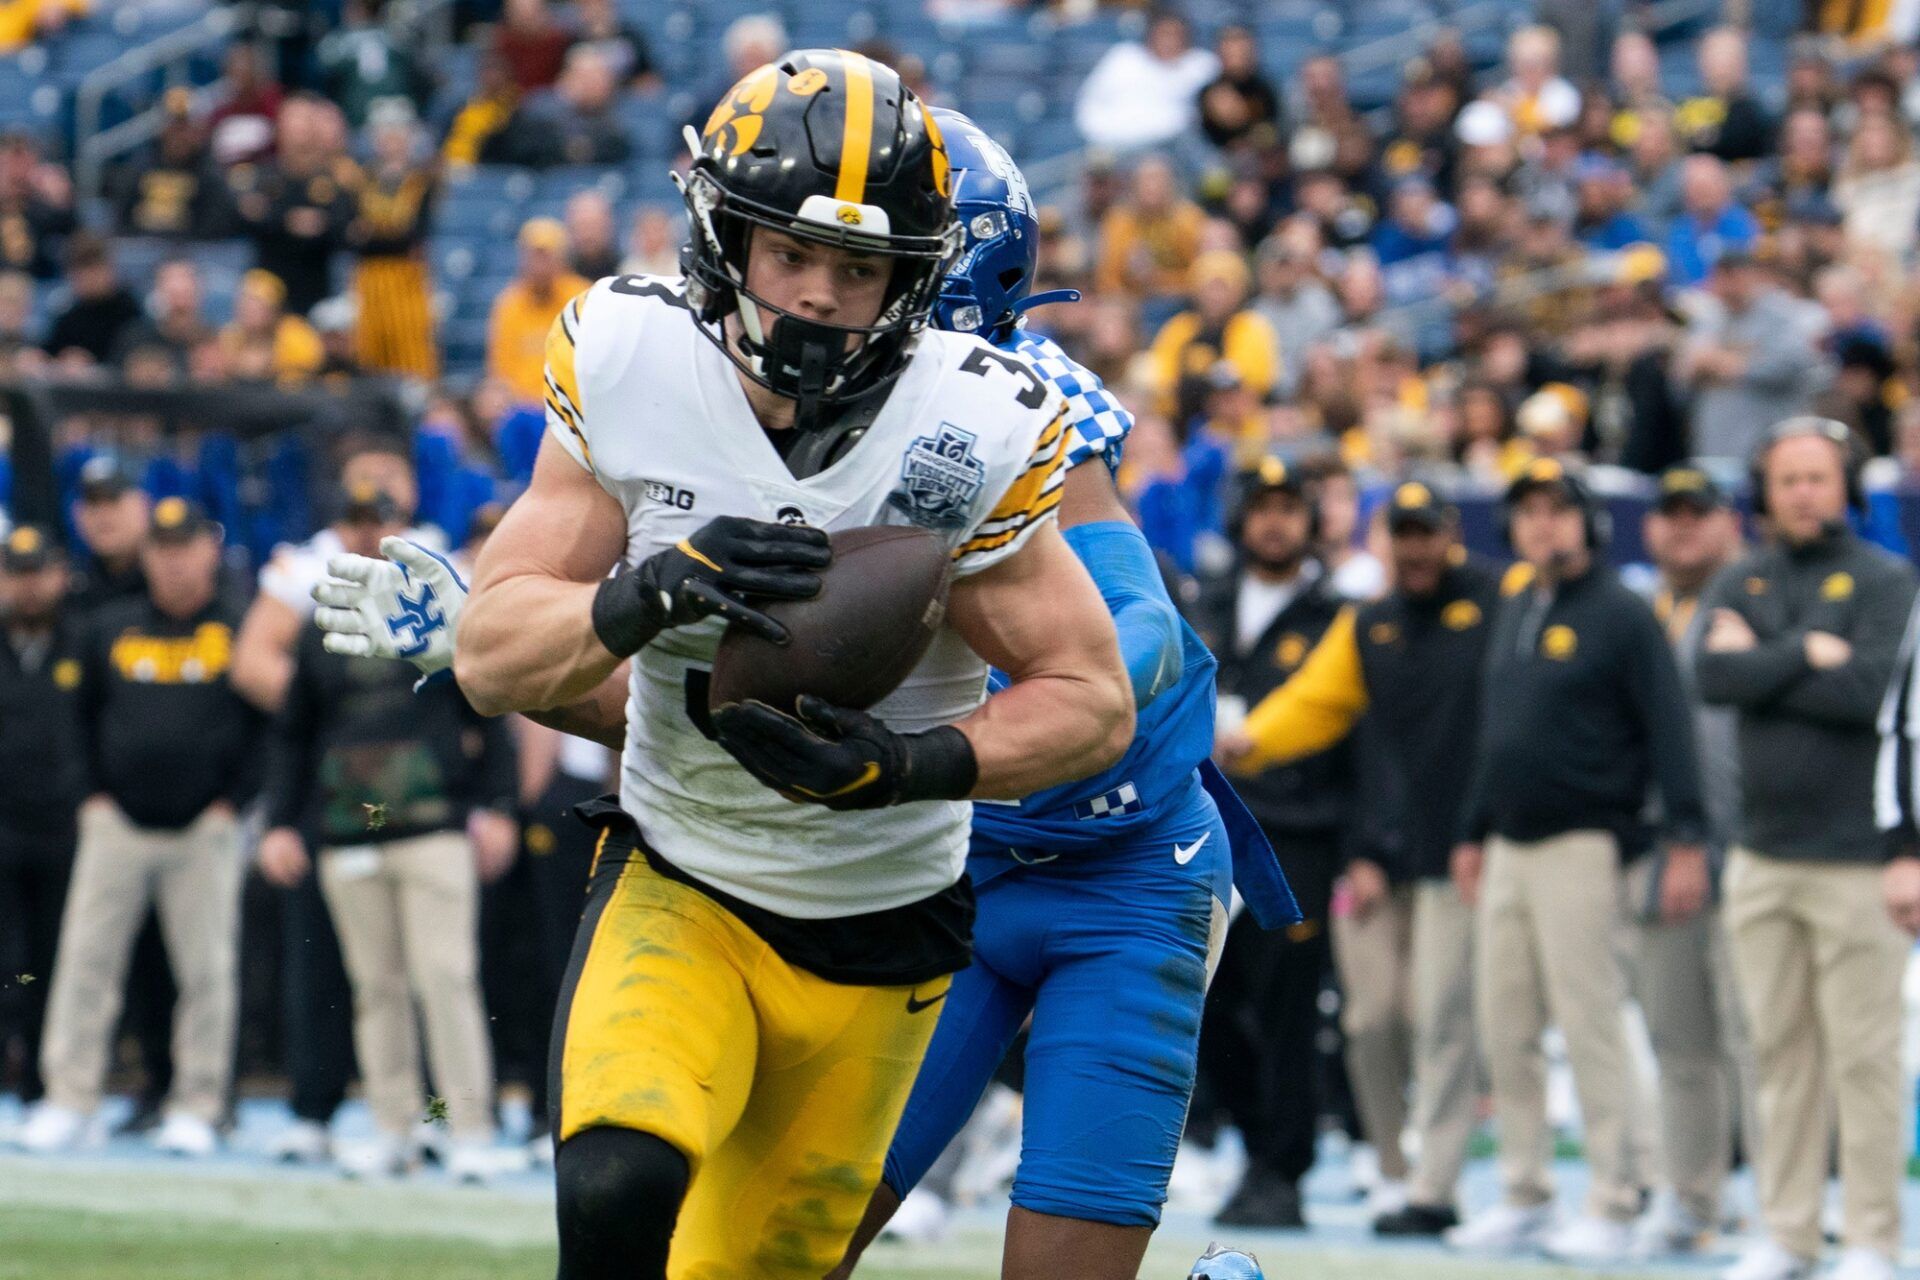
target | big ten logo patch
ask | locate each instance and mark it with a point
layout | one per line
(667, 494)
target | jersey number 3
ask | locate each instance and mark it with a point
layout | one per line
(1035, 393)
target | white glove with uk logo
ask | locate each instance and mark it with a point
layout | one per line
(404, 607)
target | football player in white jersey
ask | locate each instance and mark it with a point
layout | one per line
(757, 971)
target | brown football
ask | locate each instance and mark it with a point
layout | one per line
(880, 603)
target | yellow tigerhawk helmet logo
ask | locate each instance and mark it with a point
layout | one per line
(849, 214)
(740, 111)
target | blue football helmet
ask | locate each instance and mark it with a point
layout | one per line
(1222, 1263)
(990, 283)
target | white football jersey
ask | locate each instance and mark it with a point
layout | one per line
(968, 444)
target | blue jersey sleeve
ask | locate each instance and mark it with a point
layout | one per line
(1097, 424)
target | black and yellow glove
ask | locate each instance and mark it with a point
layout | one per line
(845, 759)
(713, 573)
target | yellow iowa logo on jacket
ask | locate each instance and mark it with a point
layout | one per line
(1461, 615)
(196, 659)
(66, 673)
(1383, 633)
(1291, 650)
(1559, 642)
(1838, 586)
(1756, 586)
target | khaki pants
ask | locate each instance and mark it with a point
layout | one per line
(1545, 953)
(193, 876)
(1683, 979)
(1373, 957)
(1446, 1059)
(408, 915)
(1819, 968)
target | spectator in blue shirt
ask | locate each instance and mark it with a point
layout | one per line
(1710, 223)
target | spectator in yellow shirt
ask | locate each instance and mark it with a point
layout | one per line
(1219, 327)
(22, 22)
(1148, 240)
(524, 311)
(265, 343)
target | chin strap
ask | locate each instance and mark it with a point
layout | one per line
(1033, 300)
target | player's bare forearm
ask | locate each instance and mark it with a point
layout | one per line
(1069, 710)
(527, 644)
(599, 717)
(527, 640)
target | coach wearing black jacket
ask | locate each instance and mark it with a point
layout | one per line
(1404, 671)
(41, 782)
(171, 756)
(1802, 637)
(1257, 1037)
(1583, 711)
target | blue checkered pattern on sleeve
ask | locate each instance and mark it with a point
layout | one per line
(1096, 422)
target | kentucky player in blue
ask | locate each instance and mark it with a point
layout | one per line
(1102, 902)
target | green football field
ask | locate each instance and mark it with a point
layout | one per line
(117, 1220)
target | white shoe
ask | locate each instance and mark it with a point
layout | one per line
(1389, 1195)
(384, 1156)
(921, 1219)
(1505, 1228)
(302, 1142)
(50, 1130)
(1363, 1168)
(181, 1134)
(1669, 1228)
(1589, 1239)
(1861, 1264)
(1765, 1260)
(476, 1161)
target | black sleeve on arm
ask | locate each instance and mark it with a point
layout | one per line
(1894, 783)
(1751, 679)
(1660, 700)
(94, 673)
(1849, 695)
(292, 742)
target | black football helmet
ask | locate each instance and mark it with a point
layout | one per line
(829, 146)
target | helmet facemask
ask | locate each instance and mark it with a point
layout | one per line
(809, 361)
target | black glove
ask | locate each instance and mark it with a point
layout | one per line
(709, 573)
(845, 759)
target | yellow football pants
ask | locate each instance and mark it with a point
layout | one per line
(782, 1089)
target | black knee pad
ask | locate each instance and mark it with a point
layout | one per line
(619, 1194)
